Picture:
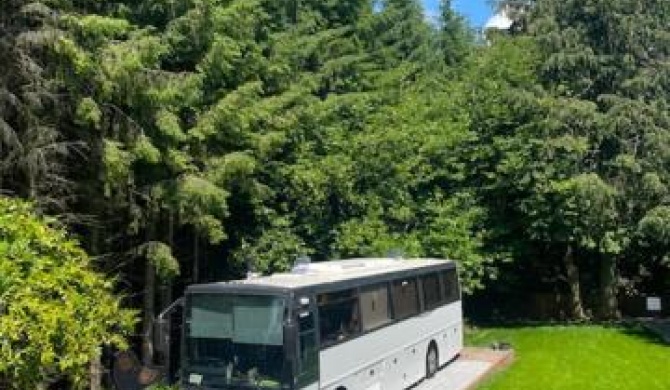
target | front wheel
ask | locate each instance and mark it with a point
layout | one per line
(432, 361)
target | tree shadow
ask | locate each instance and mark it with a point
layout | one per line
(521, 323)
(650, 332)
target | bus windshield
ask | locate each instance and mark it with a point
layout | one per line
(234, 342)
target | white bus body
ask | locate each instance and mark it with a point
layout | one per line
(393, 358)
(358, 324)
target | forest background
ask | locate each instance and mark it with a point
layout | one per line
(186, 141)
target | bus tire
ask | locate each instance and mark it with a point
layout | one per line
(432, 360)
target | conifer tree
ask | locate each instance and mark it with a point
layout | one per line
(584, 169)
(33, 150)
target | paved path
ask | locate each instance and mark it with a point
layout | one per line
(660, 327)
(459, 375)
(474, 365)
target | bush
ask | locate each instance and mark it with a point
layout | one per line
(55, 312)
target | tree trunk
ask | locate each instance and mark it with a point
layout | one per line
(32, 192)
(95, 366)
(196, 258)
(609, 305)
(149, 310)
(148, 303)
(95, 373)
(572, 272)
(166, 300)
(167, 289)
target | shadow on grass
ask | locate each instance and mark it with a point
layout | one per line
(517, 324)
(643, 332)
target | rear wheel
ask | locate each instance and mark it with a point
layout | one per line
(432, 361)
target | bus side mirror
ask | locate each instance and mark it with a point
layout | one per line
(162, 335)
(163, 327)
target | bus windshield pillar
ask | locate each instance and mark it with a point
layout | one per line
(291, 352)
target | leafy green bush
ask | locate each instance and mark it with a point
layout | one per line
(55, 312)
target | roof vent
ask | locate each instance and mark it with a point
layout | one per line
(396, 254)
(301, 265)
(252, 271)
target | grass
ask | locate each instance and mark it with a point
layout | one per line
(578, 357)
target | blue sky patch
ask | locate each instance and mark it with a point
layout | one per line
(476, 11)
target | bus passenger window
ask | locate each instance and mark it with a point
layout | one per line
(451, 289)
(338, 316)
(375, 307)
(306, 320)
(431, 290)
(405, 298)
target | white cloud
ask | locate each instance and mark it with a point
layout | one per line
(432, 16)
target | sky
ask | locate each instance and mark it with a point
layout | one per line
(476, 11)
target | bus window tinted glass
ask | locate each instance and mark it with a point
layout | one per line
(308, 369)
(375, 307)
(227, 337)
(451, 289)
(405, 298)
(306, 320)
(431, 290)
(338, 316)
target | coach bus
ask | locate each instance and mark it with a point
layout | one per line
(357, 324)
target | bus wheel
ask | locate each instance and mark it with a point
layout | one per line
(432, 360)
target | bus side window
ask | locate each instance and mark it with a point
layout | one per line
(306, 320)
(451, 288)
(405, 298)
(338, 316)
(432, 296)
(375, 306)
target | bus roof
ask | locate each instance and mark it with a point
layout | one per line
(335, 272)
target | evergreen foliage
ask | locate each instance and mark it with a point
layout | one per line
(191, 139)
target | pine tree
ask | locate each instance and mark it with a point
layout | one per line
(34, 152)
(581, 165)
(455, 39)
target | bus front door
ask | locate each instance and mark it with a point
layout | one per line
(308, 352)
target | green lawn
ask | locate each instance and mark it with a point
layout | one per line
(578, 358)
